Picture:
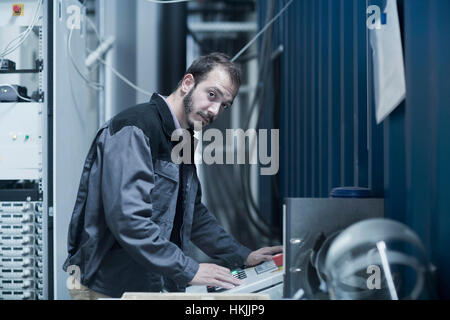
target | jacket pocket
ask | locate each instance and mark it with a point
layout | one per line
(164, 194)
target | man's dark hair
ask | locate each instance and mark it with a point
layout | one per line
(205, 64)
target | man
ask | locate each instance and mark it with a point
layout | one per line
(137, 210)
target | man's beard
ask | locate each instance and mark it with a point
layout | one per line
(188, 107)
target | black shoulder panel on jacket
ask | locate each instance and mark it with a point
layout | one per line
(144, 116)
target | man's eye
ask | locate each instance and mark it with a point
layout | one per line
(225, 106)
(212, 94)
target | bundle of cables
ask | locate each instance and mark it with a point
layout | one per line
(254, 214)
(17, 42)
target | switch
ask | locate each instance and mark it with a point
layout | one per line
(17, 9)
(278, 259)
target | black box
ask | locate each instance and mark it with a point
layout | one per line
(8, 94)
(7, 65)
(307, 224)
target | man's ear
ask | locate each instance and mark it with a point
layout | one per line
(188, 83)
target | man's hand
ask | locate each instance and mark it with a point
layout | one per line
(263, 254)
(213, 275)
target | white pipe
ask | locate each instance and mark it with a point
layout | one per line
(100, 51)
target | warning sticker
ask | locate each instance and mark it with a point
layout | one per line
(17, 10)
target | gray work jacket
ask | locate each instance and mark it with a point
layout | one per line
(123, 216)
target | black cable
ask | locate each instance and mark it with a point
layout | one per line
(262, 74)
(249, 202)
(229, 198)
(247, 58)
(273, 58)
(252, 220)
(232, 199)
(259, 96)
(236, 207)
(276, 97)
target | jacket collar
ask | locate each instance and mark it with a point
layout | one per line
(166, 116)
(164, 113)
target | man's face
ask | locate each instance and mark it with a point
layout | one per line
(209, 98)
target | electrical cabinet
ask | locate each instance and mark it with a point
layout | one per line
(23, 151)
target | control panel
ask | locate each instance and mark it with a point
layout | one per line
(266, 277)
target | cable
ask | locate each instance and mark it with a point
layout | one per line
(167, 2)
(102, 49)
(262, 76)
(17, 92)
(224, 176)
(247, 58)
(99, 39)
(123, 78)
(270, 56)
(92, 25)
(117, 73)
(94, 85)
(262, 31)
(22, 36)
(77, 108)
(179, 1)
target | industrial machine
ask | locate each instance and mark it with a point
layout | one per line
(310, 226)
(378, 259)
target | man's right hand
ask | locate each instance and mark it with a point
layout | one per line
(213, 275)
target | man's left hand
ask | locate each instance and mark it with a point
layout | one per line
(263, 254)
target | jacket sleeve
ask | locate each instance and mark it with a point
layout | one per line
(211, 238)
(127, 180)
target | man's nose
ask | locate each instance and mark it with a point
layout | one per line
(213, 110)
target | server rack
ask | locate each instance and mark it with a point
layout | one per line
(23, 155)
